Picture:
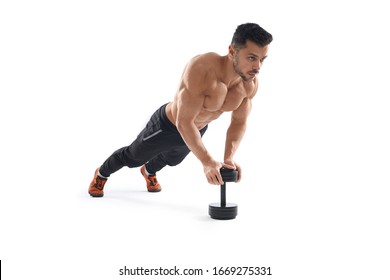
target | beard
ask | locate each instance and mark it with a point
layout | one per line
(238, 70)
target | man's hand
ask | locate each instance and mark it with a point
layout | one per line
(211, 170)
(236, 167)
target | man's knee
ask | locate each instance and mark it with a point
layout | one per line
(173, 161)
(129, 159)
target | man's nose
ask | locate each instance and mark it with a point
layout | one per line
(256, 65)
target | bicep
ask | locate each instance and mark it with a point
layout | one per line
(189, 104)
(241, 114)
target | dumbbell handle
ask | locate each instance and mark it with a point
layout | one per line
(223, 195)
(228, 175)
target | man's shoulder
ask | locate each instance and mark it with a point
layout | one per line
(206, 64)
(209, 59)
(201, 72)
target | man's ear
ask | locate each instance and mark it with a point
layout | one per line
(231, 51)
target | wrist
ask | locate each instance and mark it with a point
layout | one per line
(206, 160)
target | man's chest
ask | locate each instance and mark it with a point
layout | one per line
(223, 99)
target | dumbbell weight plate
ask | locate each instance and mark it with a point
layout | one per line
(228, 212)
(229, 175)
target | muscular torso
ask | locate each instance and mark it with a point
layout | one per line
(218, 98)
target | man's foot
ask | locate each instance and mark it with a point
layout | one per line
(151, 181)
(97, 185)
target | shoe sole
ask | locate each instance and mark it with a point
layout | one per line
(96, 195)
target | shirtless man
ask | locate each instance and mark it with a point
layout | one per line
(210, 85)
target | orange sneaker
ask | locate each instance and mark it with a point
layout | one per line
(97, 185)
(151, 181)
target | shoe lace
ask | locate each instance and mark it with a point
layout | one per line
(153, 180)
(100, 183)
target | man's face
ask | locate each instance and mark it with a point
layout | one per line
(248, 60)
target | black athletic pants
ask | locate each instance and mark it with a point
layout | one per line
(159, 144)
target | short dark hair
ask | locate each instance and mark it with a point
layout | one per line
(252, 32)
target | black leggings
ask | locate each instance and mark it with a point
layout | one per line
(159, 144)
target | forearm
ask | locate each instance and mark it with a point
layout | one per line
(234, 135)
(191, 136)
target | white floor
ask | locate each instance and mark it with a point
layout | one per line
(313, 202)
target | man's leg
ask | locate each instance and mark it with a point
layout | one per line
(149, 143)
(171, 158)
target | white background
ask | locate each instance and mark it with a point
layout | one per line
(79, 79)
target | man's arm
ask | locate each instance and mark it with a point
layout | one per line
(236, 131)
(192, 94)
(237, 128)
(189, 105)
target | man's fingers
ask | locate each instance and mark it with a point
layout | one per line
(218, 179)
(215, 179)
(238, 176)
(229, 166)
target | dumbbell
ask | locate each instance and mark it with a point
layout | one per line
(222, 210)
